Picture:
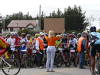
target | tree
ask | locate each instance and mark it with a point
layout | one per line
(26, 31)
(17, 16)
(56, 14)
(75, 19)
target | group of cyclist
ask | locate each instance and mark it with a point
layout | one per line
(50, 43)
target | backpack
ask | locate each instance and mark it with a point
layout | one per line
(94, 37)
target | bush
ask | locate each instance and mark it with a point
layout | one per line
(26, 31)
(70, 31)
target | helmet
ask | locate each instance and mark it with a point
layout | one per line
(79, 35)
(93, 29)
(28, 35)
(71, 35)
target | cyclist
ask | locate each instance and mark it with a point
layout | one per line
(23, 42)
(94, 45)
(7, 64)
(11, 40)
(29, 43)
(39, 45)
(3, 46)
(72, 41)
(72, 48)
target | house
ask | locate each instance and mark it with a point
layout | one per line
(55, 24)
(16, 25)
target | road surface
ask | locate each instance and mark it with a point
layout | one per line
(58, 71)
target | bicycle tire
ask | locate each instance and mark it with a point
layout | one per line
(97, 67)
(14, 62)
(58, 61)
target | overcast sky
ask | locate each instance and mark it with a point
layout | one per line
(7, 7)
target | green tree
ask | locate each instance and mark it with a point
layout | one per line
(75, 19)
(17, 16)
(56, 14)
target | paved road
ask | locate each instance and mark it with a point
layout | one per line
(58, 71)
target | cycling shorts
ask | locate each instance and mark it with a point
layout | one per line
(95, 48)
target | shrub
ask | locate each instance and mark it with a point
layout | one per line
(26, 31)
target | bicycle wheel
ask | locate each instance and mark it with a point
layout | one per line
(11, 66)
(59, 61)
(97, 67)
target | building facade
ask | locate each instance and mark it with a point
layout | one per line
(16, 25)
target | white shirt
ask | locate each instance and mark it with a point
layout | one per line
(11, 41)
(73, 42)
(37, 43)
(23, 40)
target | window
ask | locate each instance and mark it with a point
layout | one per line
(11, 29)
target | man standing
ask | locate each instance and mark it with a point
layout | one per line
(39, 45)
(81, 48)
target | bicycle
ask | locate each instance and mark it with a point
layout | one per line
(97, 66)
(62, 57)
(73, 57)
(97, 61)
(11, 65)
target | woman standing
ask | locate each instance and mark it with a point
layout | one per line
(51, 39)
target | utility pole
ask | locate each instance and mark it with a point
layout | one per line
(2, 20)
(40, 17)
(0, 23)
(4, 27)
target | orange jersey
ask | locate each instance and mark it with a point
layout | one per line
(41, 43)
(79, 44)
(52, 40)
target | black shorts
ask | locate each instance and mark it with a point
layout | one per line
(95, 48)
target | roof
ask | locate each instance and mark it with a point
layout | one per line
(55, 24)
(22, 23)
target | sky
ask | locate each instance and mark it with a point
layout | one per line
(91, 7)
(8, 7)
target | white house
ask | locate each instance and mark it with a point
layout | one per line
(16, 25)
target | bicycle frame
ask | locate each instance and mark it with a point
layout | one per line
(2, 59)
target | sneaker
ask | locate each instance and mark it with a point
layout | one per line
(47, 71)
(82, 67)
(41, 67)
(52, 71)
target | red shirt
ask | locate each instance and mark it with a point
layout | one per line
(17, 42)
